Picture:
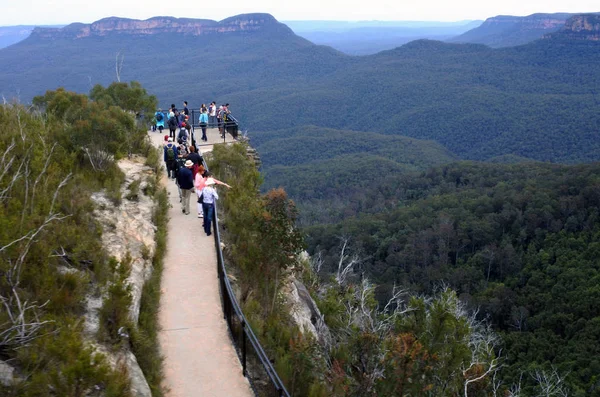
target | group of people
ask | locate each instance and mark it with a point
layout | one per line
(211, 116)
(185, 165)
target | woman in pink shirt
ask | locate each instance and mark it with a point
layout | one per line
(199, 182)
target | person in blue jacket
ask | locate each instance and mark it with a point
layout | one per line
(204, 123)
(159, 116)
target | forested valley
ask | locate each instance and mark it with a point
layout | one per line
(519, 243)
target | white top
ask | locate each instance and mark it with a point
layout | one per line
(209, 195)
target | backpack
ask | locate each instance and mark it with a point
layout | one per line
(172, 122)
(159, 116)
(170, 153)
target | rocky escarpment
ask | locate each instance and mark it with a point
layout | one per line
(580, 27)
(127, 231)
(506, 31)
(246, 23)
(531, 22)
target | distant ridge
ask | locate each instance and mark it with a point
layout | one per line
(508, 31)
(159, 25)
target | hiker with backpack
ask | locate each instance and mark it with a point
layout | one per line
(183, 135)
(170, 157)
(185, 181)
(159, 117)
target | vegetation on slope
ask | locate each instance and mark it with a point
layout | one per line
(54, 156)
(413, 346)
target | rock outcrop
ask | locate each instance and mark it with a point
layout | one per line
(127, 229)
(584, 27)
(246, 23)
(304, 311)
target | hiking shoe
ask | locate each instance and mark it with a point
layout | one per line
(199, 215)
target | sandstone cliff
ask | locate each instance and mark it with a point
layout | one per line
(579, 27)
(246, 23)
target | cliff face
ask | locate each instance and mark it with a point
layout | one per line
(158, 25)
(531, 22)
(580, 27)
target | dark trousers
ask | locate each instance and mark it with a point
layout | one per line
(209, 212)
(204, 138)
(171, 168)
(172, 133)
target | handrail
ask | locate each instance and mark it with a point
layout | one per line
(245, 332)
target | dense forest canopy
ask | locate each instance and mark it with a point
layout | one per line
(517, 241)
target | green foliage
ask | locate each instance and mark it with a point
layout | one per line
(131, 97)
(114, 314)
(51, 254)
(134, 190)
(73, 368)
(263, 245)
(517, 241)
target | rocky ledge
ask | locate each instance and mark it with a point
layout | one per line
(245, 23)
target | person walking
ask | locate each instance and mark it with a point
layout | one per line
(209, 195)
(170, 157)
(203, 123)
(185, 180)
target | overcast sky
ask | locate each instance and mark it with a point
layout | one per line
(37, 12)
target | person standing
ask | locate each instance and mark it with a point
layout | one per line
(209, 195)
(186, 111)
(212, 114)
(203, 123)
(185, 180)
(172, 122)
(160, 120)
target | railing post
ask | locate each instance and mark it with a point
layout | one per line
(244, 347)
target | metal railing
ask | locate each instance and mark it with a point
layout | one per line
(256, 365)
(229, 126)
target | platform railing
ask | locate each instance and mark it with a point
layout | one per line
(229, 125)
(256, 365)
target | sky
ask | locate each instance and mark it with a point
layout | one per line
(49, 12)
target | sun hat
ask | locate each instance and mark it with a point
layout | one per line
(209, 181)
(170, 140)
(189, 163)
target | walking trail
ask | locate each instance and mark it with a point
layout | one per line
(200, 360)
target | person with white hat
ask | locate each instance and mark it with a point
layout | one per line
(209, 195)
(185, 180)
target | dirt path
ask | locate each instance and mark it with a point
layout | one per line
(200, 360)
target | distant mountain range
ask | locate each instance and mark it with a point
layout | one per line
(538, 101)
(508, 31)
